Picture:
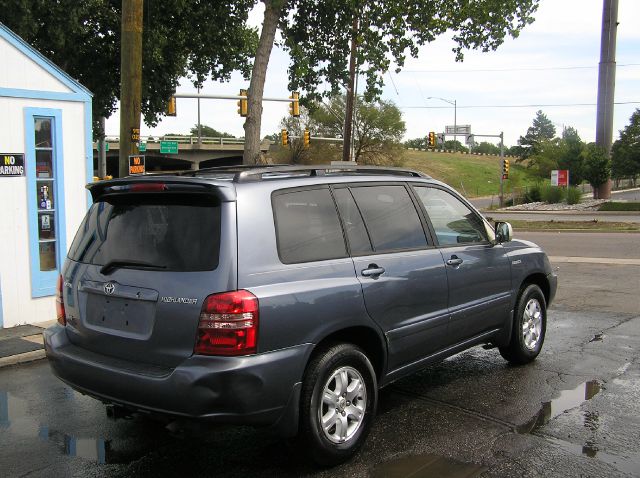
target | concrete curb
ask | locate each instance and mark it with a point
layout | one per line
(22, 358)
(567, 212)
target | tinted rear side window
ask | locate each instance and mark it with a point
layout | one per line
(391, 218)
(307, 226)
(353, 224)
(174, 233)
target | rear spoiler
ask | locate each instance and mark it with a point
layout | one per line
(223, 190)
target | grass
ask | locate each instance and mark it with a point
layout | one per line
(471, 175)
(620, 206)
(583, 226)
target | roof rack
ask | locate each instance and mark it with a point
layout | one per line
(248, 173)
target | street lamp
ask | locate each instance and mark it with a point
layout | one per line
(455, 113)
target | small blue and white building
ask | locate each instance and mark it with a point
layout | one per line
(45, 161)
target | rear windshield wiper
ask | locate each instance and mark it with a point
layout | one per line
(119, 264)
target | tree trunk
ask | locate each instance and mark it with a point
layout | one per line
(272, 11)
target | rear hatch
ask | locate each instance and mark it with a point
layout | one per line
(144, 259)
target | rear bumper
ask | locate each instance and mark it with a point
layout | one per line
(260, 389)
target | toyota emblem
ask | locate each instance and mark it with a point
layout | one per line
(109, 288)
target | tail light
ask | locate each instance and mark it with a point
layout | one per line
(228, 324)
(62, 318)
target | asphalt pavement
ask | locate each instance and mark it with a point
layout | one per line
(574, 412)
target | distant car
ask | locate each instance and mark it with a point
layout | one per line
(286, 296)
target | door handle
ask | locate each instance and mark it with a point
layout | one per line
(455, 261)
(373, 271)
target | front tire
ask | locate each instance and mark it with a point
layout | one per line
(338, 403)
(529, 327)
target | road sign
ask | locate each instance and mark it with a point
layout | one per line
(106, 147)
(135, 135)
(560, 177)
(143, 147)
(169, 147)
(136, 164)
(458, 129)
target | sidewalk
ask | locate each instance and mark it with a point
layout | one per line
(22, 344)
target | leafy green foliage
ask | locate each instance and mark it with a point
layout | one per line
(209, 132)
(417, 143)
(454, 145)
(486, 148)
(570, 155)
(551, 194)
(318, 35)
(620, 206)
(378, 128)
(625, 152)
(597, 167)
(180, 38)
(573, 195)
(540, 131)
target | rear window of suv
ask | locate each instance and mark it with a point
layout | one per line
(168, 232)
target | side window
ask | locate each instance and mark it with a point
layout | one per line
(391, 218)
(353, 224)
(307, 226)
(454, 223)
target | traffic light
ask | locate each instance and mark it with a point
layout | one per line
(505, 169)
(171, 107)
(306, 138)
(285, 137)
(243, 106)
(294, 106)
(432, 139)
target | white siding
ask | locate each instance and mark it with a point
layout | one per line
(18, 306)
(20, 71)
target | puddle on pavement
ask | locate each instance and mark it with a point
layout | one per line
(567, 400)
(426, 466)
(627, 464)
(14, 418)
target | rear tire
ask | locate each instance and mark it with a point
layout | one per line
(338, 403)
(529, 327)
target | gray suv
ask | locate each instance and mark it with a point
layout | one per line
(286, 296)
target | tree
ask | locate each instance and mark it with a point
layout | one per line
(597, 167)
(625, 153)
(378, 128)
(314, 33)
(571, 156)
(208, 131)
(486, 148)
(417, 143)
(542, 129)
(546, 157)
(196, 39)
(454, 145)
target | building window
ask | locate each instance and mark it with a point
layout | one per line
(43, 149)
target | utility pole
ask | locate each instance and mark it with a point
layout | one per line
(501, 172)
(130, 81)
(606, 86)
(102, 150)
(348, 116)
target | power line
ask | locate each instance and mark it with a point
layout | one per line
(549, 105)
(532, 68)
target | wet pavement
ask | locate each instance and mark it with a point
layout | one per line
(574, 412)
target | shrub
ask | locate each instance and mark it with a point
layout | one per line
(532, 194)
(573, 195)
(551, 194)
(620, 206)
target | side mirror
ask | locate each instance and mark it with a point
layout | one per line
(504, 232)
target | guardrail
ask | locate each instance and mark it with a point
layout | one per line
(181, 139)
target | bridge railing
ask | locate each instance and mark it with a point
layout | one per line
(181, 139)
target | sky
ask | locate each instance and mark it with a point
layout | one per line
(554, 61)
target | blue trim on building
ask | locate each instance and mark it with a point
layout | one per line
(42, 61)
(43, 95)
(1, 317)
(88, 124)
(43, 283)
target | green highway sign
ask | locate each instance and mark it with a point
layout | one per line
(143, 147)
(106, 146)
(169, 147)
